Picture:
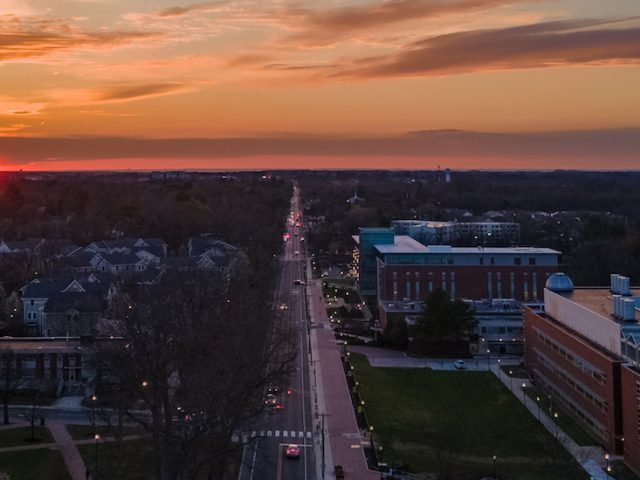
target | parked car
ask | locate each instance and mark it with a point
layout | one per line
(459, 364)
(293, 451)
(298, 282)
(283, 306)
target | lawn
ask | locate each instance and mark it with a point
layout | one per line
(565, 422)
(128, 460)
(13, 437)
(453, 423)
(41, 464)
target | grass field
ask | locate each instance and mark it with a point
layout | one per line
(14, 437)
(130, 460)
(453, 423)
(566, 423)
(41, 464)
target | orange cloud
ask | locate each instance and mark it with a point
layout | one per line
(36, 36)
(324, 27)
(132, 92)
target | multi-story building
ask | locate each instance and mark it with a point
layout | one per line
(430, 232)
(397, 267)
(583, 350)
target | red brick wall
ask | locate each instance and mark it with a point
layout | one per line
(578, 348)
(630, 380)
(470, 282)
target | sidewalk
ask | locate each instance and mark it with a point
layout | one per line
(73, 460)
(588, 457)
(341, 432)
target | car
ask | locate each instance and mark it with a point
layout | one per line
(283, 306)
(271, 400)
(298, 282)
(272, 389)
(459, 364)
(297, 252)
(293, 451)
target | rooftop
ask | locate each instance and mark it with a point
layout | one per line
(597, 299)
(403, 244)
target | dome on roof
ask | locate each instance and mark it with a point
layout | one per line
(559, 282)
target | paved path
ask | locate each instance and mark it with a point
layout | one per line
(384, 357)
(73, 460)
(341, 434)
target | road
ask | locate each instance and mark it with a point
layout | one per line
(264, 457)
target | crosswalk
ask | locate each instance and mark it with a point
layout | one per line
(244, 437)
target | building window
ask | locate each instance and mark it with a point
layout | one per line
(493, 261)
(517, 261)
(481, 260)
(532, 260)
(31, 303)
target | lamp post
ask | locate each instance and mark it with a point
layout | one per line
(555, 420)
(97, 437)
(488, 359)
(94, 398)
(499, 372)
(511, 380)
(494, 467)
(538, 402)
(524, 398)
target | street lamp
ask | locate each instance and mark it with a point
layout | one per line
(494, 467)
(97, 437)
(93, 404)
(499, 370)
(511, 380)
(538, 402)
(524, 399)
(555, 420)
(488, 359)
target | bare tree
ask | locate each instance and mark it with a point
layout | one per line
(200, 351)
(10, 380)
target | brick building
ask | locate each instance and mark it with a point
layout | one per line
(583, 351)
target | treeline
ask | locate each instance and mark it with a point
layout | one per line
(599, 236)
(247, 211)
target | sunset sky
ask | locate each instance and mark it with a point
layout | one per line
(145, 84)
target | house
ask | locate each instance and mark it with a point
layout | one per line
(44, 298)
(156, 246)
(29, 246)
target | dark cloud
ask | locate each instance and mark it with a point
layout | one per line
(129, 92)
(604, 149)
(532, 46)
(180, 11)
(321, 27)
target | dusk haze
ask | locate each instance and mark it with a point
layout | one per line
(353, 84)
